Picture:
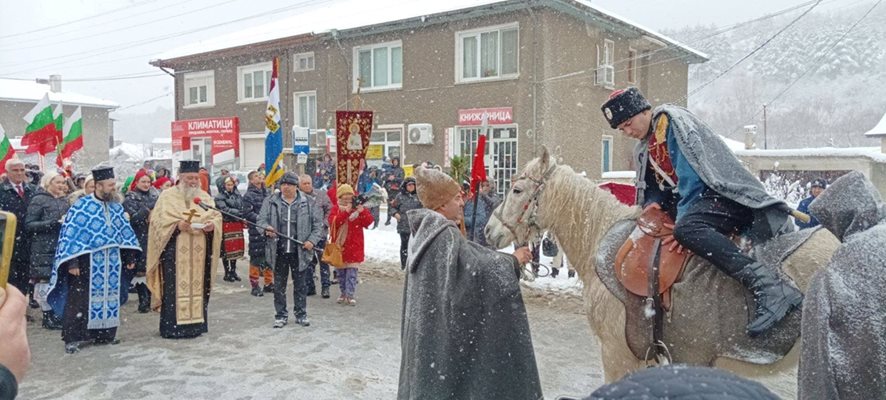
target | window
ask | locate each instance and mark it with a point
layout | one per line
(488, 53)
(303, 62)
(379, 67)
(632, 65)
(200, 89)
(383, 143)
(605, 75)
(305, 109)
(501, 145)
(606, 156)
(254, 81)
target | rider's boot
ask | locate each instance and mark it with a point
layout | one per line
(774, 297)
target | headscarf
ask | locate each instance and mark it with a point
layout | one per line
(138, 175)
(158, 184)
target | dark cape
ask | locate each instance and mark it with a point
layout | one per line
(464, 332)
(843, 351)
(719, 169)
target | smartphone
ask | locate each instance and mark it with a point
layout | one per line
(7, 229)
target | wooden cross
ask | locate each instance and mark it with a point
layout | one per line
(191, 214)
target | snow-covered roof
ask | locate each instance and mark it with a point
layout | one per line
(733, 145)
(879, 130)
(162, 140)
(128, 152)
(350, 14)
(872, 153)
(30, 91)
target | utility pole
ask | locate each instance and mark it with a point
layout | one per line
(765, 144)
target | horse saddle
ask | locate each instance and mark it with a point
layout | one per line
(635, 261)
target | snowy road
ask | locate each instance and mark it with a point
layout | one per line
(347, 352)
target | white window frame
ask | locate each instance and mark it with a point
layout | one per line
(252, 68)
(371, 48)
(296, 61)
(493, 165)
(390, 129)
(296, 98)
(459, 53)
(605, 72)
(611, 140)
(632, 65)
(196, 80)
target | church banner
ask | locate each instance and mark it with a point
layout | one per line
(352, 130)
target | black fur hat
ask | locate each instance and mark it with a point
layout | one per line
(624, 104)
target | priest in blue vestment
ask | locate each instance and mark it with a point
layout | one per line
(85, 282)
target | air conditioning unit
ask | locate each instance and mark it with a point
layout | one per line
(420, 134)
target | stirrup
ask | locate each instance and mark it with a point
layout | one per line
(661, 357)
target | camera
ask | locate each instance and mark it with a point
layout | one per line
(360, 199)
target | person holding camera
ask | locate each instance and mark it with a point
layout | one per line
(348, 219)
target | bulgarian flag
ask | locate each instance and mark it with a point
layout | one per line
(73, 136)
(41, 135)
(6, 150)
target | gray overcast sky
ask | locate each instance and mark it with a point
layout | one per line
(41, 37)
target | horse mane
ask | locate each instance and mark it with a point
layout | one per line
(579, 213)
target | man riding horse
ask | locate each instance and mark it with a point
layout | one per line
(684, 169)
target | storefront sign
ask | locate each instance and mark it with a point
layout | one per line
(497, 116)
(301, 145)
(224, 134)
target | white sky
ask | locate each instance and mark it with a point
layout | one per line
(119, 37)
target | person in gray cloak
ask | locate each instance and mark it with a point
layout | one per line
(464, 332)
(684, 169)
(843, 341)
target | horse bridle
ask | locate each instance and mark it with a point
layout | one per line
(531, 205)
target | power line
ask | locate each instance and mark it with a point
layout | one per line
(121, 46)
(137, 75)
(816, 63)
(101, 14)
(128, 27)
(754, 51)
(145, 102)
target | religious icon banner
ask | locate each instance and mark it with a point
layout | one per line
(352, 131)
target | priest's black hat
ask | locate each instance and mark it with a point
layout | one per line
(624, 104)
(103, 173)
(188, 166)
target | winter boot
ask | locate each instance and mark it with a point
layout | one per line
(773, 295)
(72, 347)
(227, 277)
(50, 321)
(234, 276)
(144, 298)
(324, 292)
(257, 292)
(269, 288)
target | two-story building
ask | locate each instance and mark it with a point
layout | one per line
(539, 69)
(18, 97)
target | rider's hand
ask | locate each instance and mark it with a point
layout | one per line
(523, 254)
(671, 242)
(655, 206)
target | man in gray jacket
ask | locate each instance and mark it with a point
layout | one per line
(306, 185)
(295, 215)
(843, 351)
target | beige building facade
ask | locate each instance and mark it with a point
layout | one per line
(539, 69)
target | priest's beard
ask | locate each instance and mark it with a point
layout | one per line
(107, 197)
(190, 192)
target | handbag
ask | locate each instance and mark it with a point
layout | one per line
(332, 253)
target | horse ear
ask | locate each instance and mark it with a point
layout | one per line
(545, 157)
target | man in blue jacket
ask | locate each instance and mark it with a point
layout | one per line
(685, 169)
(818, 186)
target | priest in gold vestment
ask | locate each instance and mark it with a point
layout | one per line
(183, 249)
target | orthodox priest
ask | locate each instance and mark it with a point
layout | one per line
(85, 283)
(183, 247)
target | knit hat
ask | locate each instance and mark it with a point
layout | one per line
(624, 104)
(434, 187)
(820, 183)
(344, 189)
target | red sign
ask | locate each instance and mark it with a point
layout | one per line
(224, 133)
(496, 116)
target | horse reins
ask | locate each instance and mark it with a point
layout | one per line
(531, 205)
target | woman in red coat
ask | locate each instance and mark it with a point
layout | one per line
(346, 224)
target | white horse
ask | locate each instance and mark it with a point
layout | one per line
(709, 314)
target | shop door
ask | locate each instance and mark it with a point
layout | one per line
(201, 150)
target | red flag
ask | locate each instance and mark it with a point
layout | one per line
(478, 169)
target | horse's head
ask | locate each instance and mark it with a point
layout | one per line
(515, 220)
